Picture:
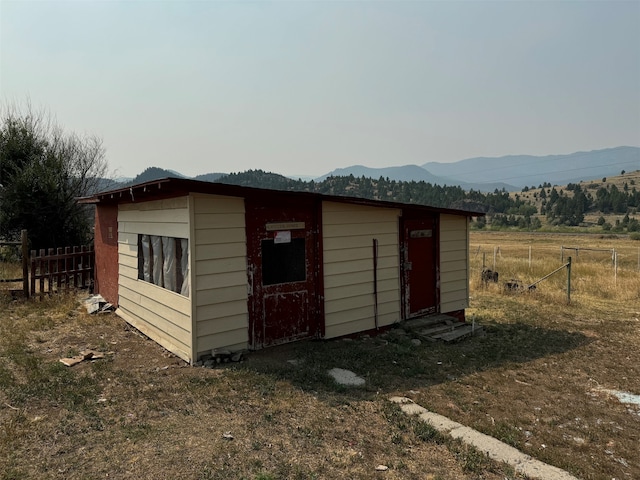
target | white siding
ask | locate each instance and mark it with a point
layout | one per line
(159, 313)
(222, 319)
(348, 233)
(454, 263)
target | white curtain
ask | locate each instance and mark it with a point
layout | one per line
(146, 258)
(156, 248)
(169, 266)
(184, 266)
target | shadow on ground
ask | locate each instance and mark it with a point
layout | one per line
(391, 361)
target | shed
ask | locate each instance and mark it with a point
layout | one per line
(198, 265)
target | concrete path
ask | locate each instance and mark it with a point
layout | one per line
(494, 448)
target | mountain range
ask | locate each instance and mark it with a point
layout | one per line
(485, 174)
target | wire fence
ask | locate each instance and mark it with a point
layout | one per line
(600, 270)
(627, 258)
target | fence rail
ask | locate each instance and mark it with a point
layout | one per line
(47, 271)
(61, 269)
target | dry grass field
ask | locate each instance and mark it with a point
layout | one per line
(540, 379)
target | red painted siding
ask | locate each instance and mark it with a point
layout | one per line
(284, 282)
(106, 247)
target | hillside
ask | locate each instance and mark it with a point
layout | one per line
(602, 201)
(154, 173)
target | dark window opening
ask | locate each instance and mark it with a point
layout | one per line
(283, 262)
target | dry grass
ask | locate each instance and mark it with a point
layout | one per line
(10, 270)
(536, 381)
(141, 413)
(548, 396)
(594, 274)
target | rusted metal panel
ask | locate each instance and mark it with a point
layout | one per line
(283, 271)
(420, 286)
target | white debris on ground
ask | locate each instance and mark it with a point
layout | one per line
(624, 397)
(219, 355)
(346, 377)
(97, 304)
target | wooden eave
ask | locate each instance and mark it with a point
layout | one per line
(176, 187)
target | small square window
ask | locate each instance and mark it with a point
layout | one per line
(283, 262)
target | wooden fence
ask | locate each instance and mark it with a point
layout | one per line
(53, 271)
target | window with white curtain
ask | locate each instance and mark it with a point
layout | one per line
(164, 261)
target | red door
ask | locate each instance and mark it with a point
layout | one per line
(420, 272)
(283, 272)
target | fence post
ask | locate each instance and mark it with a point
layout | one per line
(67, 278)
(529, 256)
(494, 258)
(561, 253)
(569, 281)
(24, 240)
(42, 267)
(32, 261)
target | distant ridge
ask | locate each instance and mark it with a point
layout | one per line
(404, 173)
(529, 170)
(485, 174)
(210, 177)
(511, 172)
(409, 173)
(154, 173)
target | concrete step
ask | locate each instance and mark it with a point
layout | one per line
(421, 322)
(459, 333)
(441, 328)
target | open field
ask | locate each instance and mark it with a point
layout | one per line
(538, 380)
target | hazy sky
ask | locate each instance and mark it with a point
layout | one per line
(301, 88)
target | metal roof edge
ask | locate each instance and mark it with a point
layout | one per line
(173, 186)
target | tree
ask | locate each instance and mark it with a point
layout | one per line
(43, 170)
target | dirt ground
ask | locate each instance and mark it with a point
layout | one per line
(143, 413)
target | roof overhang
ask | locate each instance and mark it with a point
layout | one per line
(176, 187)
